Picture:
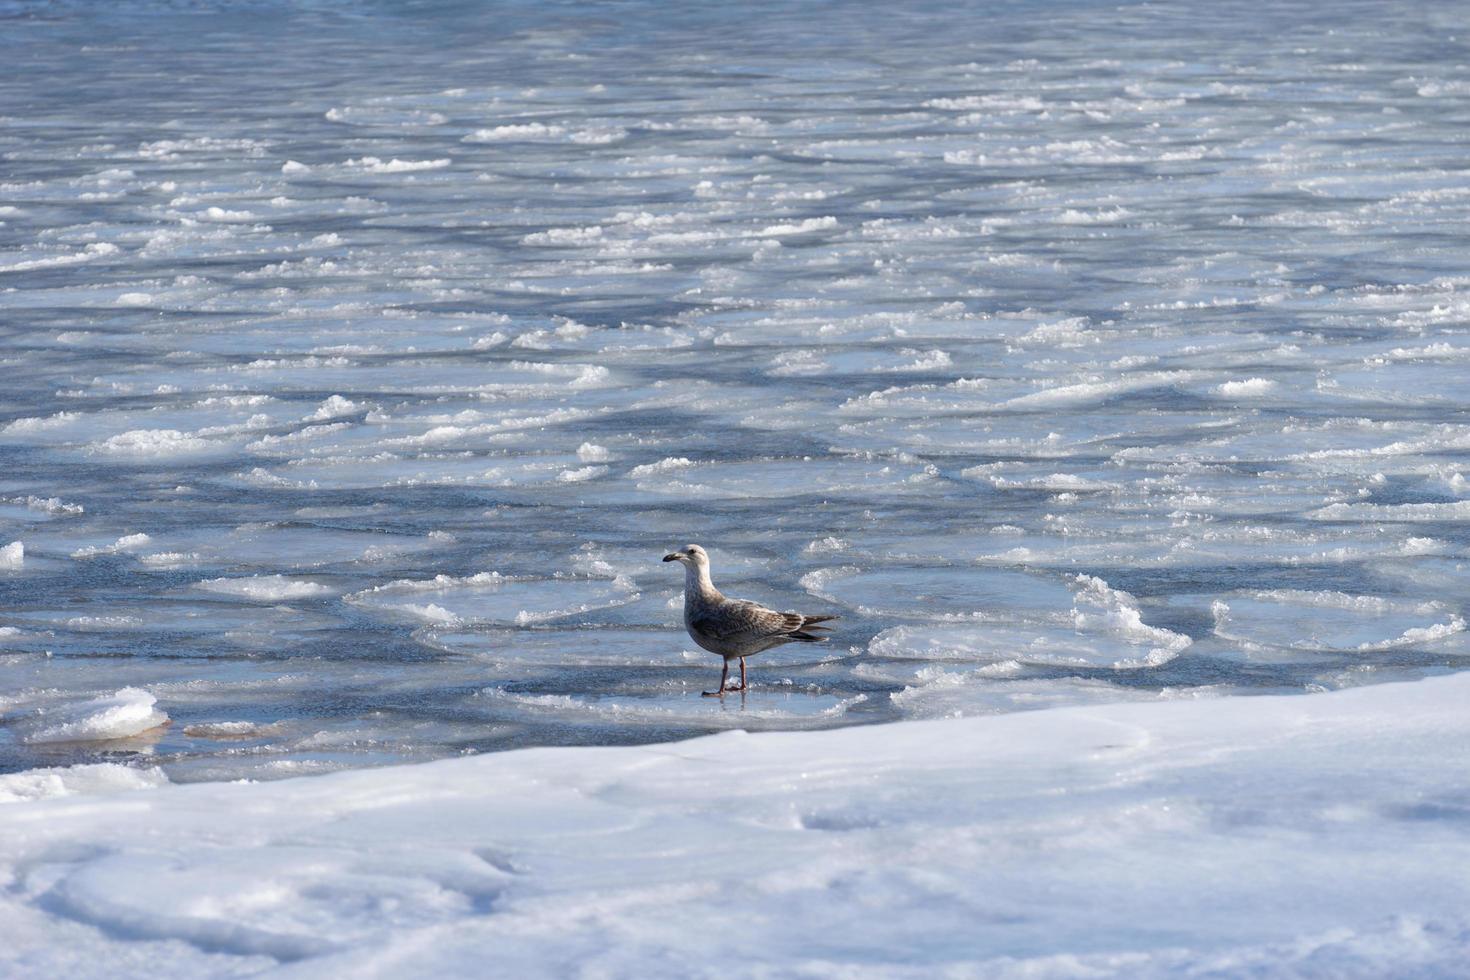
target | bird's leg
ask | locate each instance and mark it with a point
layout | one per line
(741, 686)
(724, 676)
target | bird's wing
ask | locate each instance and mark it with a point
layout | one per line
(745, 622)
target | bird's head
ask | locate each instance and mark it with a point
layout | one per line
(690, 556)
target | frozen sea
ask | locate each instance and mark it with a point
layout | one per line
(361, 360)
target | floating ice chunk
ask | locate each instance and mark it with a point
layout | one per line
(373, 165)
(590, 376)
(800, 227)
(382, 113)
(670, 464)
(134, 299)
(1091, 391)
(53, 506)
(517, 654)
(581, 474)
(131, 711)
(1099, 604)
(938, 592)
(292, 167)
(266, 588)
(1249, 388)
(592, 453)
(153, 443)
(1103, 629)
(100, 779)
(939, 692)
(333, 407)
(1458, 510)
(515, 131)
(1002, 102)
(1330, 621)
(125, 543)
(96, 250)
(432, 612)
(1068, 332)
(224, 729)
(226, 216)
(1419, 634)
(1103, 216)
(491, 598)
(932, 360)
(12, 556)
(564, 236)
(1055, 482)
(598, 135)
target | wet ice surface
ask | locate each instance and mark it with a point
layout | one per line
(360, 366)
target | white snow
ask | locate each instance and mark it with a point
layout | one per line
(97, 779)
(1267, 836)
(1125, 364)
(12, 556)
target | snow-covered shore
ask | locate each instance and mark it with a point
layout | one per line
(1324, 835)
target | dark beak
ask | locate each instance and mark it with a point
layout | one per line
(671, 557)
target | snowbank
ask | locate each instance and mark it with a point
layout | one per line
(1322, 836)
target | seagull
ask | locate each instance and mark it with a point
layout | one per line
(734, 628)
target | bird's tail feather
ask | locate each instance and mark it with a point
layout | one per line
(810, 623)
